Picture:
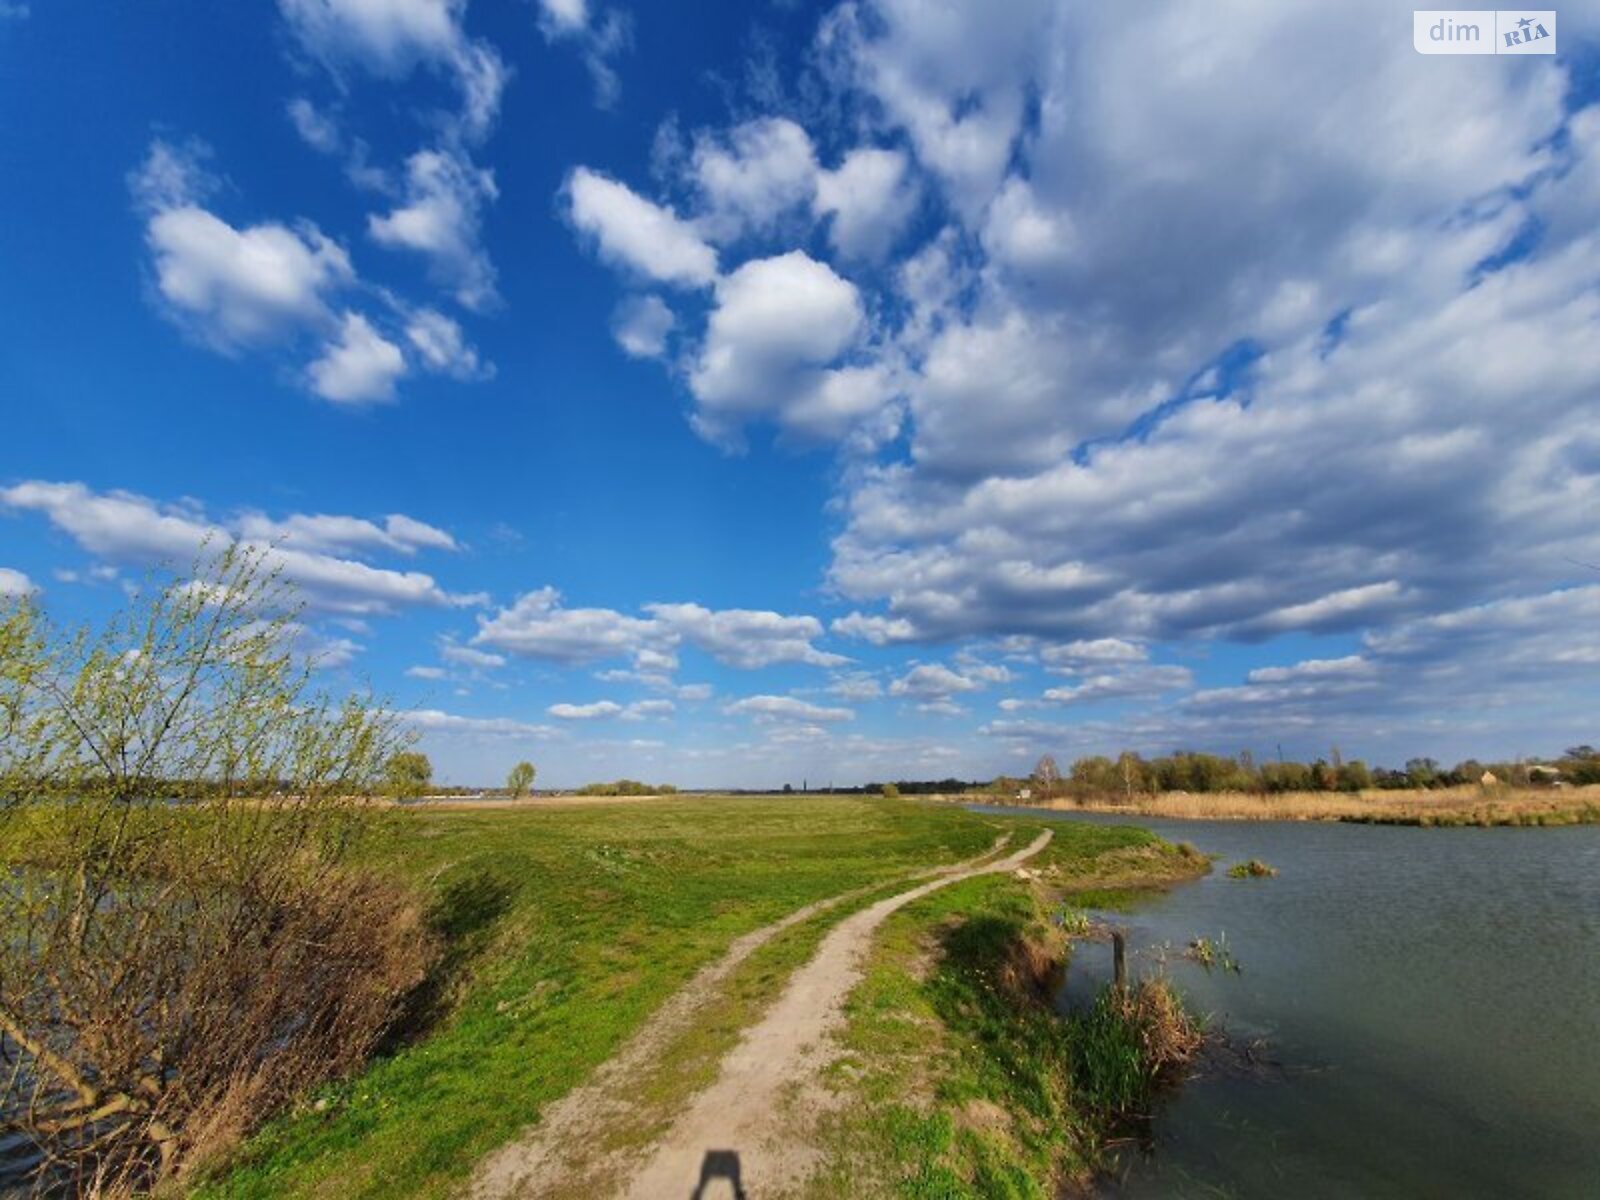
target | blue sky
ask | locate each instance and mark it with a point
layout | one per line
(742, 394)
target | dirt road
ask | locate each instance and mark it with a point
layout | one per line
(752, 1120)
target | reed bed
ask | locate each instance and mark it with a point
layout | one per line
(1470, 805)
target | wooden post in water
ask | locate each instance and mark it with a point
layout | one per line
(1119, 959)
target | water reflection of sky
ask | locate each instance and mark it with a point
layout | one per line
(1432, 994)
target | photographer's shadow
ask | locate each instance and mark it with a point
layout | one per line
(719, 1164)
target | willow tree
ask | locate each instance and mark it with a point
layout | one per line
(185, 942)
(520, 781)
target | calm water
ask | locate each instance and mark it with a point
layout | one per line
(1432, 997)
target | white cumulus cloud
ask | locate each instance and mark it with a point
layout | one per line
(638, 234)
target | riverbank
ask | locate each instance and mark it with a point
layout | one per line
(958, 1077)
(572, 928)
(1475, 806)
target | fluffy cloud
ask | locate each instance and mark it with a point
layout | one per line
(599, 36)
(752, 177)
(359, 367)
(1071, 657)
(639, 710)
(956, 80)
(319, 650)
(777, 325)
(1311, 434)
(786, 708)
(438, 341)
(439, 218)
(467, 656)
(641, 326)
(537, 626)
(323, 533)
(1132, 683)
(856, 685)
(242, 287)
(878, 630)
(15, 583)
(870, 198)
(321, 129)
(130, 529)
(1526, 636)
(585, 712)
(563, 17)
(932, 681)
(391, 38)
(316, 128)
(438, 214)
(634, 233)
(1509, 658)
(1132, 409)
(746, 638)
(272, 286)
(1488, 678)
(433, 721)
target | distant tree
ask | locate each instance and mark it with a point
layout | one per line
(788, 789)
(520, 781)
(1046, 775)
(1285, 777)
(1095, 775)
(1386, 777)
(1131, 769)
(407, 774)
(627, 787)
(1353, 776)
(1324, 776)
(1582, 765)
(1422, 772)
(890, 791)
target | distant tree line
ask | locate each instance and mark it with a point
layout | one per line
(1192, 771)
(627, 787)
(909, 787)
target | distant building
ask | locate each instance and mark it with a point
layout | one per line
(1540, 775)
(1025, 794)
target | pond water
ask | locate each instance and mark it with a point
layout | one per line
(1429, 1000)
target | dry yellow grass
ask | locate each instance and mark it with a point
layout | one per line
(502, 803)
(1472, 805)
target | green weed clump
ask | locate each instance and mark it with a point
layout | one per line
(1211, 954)
(1251, 869)
(1131, 1042)
(1074, 922)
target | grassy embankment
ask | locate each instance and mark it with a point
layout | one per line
(959, 1078)
(1439, 806)
(569, 925)
(566, 927)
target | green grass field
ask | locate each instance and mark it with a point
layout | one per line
(567, 927)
